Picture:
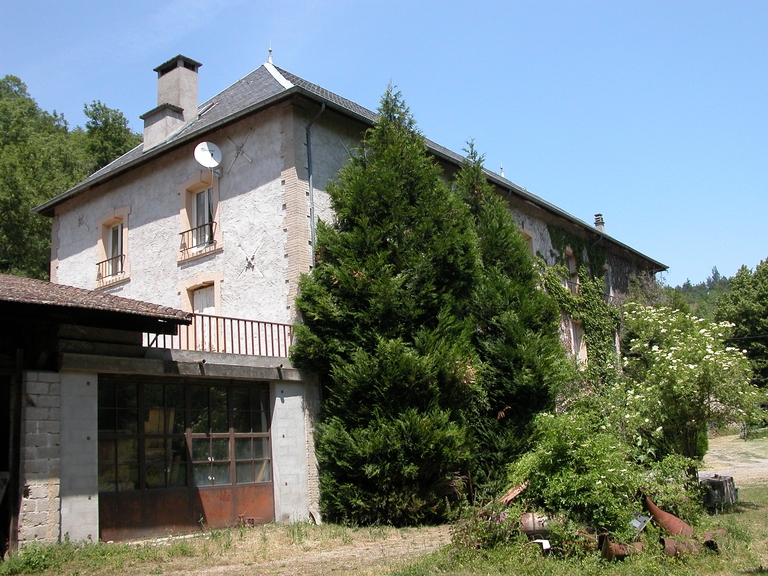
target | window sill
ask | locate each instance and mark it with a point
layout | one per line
(110, 281)
(195, 254)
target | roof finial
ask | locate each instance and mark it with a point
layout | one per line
(270, 52)
(501, 170)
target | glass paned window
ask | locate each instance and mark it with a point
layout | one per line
(157, 435)
(203, 231)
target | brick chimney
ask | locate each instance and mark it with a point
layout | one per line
(599, 222)
(176, 100)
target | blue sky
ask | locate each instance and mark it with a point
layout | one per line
(653, 113)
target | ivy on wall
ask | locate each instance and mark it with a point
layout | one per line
(591, 255)
(599, 319)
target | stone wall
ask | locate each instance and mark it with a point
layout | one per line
(39, 518)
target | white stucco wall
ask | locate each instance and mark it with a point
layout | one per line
(251, 262)
(537, 230)
(79, 456)
(250, 215)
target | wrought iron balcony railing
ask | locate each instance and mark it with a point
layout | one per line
(110, 268)
(198, 239)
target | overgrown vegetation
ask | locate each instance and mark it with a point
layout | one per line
(743, 550)
(682, 377)
(599, 318)
(40, 157)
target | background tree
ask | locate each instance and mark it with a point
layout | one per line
(38, 159)
(702, 298)
(41, 157)
(746, 306)
(108, 134)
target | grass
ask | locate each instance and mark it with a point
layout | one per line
(284, 548)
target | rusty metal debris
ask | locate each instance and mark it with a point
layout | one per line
(679, 548)
(533, 524)
(667, 521)
(612, 551)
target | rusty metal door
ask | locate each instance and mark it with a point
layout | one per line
(178, 454)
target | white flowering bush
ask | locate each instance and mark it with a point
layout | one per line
(680, 377)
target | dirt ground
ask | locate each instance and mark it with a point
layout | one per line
(281, 550)
(745, 460)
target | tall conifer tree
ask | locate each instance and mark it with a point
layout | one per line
(425, 323)
(515, 336)
(386, 326)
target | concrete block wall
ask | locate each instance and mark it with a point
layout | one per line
(289, 452)
(79, 457)
(40, 514)
(311, 413)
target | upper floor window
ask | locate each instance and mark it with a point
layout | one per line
(608, 278)
(200, 232)
(203, 230)
(112, 265)
(528, 242)
(572, 282)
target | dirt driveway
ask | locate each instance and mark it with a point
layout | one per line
(282, 550)
(745, 460)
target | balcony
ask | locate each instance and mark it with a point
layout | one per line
(110, 270)
(227, 336)
(197, 241)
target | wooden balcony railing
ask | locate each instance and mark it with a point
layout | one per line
(228, 336)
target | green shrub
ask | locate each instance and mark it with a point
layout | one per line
(398, 471)
(587, 474)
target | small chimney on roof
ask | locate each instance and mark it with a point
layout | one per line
(599, 222)
(176, 100)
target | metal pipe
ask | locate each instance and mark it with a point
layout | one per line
(311, 184)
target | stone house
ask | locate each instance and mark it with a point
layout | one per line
(226, 238)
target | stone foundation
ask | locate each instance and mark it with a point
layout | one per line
(40, 514)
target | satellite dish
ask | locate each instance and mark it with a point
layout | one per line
(208, 154)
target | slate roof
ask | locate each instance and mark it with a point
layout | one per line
(260, 89)
(39, 292)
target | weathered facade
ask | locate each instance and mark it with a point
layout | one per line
(230, 242)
